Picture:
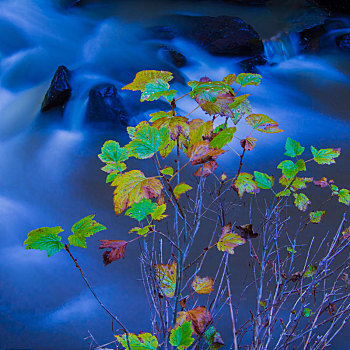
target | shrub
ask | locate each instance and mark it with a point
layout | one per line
(300, 290)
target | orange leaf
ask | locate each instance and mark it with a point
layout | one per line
(200, 318)
(207, 169)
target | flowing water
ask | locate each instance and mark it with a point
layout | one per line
(49, 168)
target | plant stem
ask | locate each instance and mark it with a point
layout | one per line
(114, 317)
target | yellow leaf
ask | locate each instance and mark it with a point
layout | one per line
(133, 186)
(180, 189)
(203, 285)
(166, 276)
(229, 240)
(145, 77)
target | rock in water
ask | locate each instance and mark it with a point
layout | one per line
(225, 36)
(59, 91)
(343, 42)
(105, 105)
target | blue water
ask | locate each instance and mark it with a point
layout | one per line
(49, 171)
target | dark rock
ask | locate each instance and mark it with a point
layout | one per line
(59, 91)
(249, 65)
(343, 41)
(334, 6)
(222, 36)
(312, 39)
(309, 39)
(105, 105)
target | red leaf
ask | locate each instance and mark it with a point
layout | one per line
(117, 250)
(322, 182)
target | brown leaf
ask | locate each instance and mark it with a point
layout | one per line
(322, 182)
(208, 169)
(117, 250)
(296, 277)
(346, 234)
(201, 153)
(200, 317)
(183, 303)
(248, 143)
(246, 231)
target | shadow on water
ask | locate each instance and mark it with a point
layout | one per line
(49, 168)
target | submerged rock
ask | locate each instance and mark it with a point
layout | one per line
(105, 105)
(59, 91)
(249, 65)
(343, 41)
(173, 56)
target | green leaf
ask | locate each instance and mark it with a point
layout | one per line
(290, 169)
(45, 238)
(307, 312)
(325, 156)
(142, 231)
(263, 181)
(140, 210)
(335, 190)
(223, 138)
(293, 148)
(180, 189)
(238, 101)
(168, 171)
(160, 114)
(310, 271)
(301, 201)
(146, 141)
(316, 216)
(245, 183)
(242, 110)
(181, 336)
(213, 338)
(344, 196)
(284, 193)
(263, 123)
(298, 183)
(114, 156)
(82, 229)
(146, 77)
(111, 152)
(156, 89)
(158, 214)
(245, 79)
(219, 128)
(143, 341)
